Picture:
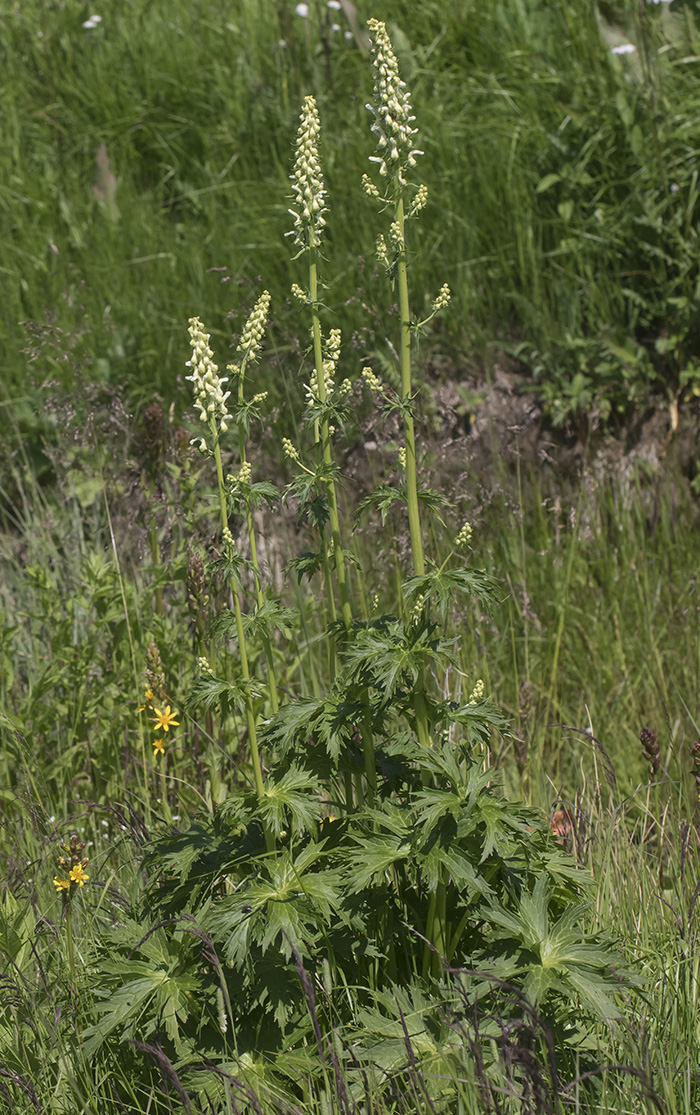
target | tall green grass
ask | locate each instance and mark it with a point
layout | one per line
(566, 226)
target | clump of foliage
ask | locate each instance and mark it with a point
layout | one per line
(370, 853)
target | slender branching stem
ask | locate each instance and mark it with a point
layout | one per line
(267, 645)
(242, 648)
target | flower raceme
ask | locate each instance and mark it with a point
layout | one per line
(307, 180)
(209, 396)
(391, 106)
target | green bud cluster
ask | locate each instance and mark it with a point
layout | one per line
(477, 693)
(420, 200)
(443, 299)
(289, 450)
(465, 536)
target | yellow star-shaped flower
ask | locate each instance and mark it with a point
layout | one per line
(165, 720)
(61, 884)
(158, 747)
(77, 874)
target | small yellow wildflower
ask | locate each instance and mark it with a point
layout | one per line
(148, 697)
(165, 720)
(158, 747)
(77, 874)
(61, 884)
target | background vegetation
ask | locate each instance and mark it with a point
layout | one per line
(562, 212)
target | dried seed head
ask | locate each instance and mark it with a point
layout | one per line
(154, 428)
(391, 106)
(307, 180)
(650, 748)
(195, 583)
(695, 752)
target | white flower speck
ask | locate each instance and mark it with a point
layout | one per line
(624, 48)
(302, 10)
(92, 22)
(335, 5)
(347, 36)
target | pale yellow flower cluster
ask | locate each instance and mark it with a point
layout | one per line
(307, 180)
(208, 394)
(391, 106)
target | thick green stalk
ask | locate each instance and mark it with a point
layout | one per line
(406, 391)
(242, 650)
(410, 445)
(267, 646)
(340, 568)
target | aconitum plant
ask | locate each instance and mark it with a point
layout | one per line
(372, 845)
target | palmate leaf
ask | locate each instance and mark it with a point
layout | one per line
(306, 564)
(205, 692)
(285, 903)
(444, 587)
(292, 723)
(329, 721)
(555, 954)
(372, 858)
(391, 655)
(381, 499)
(161, 989)
(478, 719)
(272, 616)
(291, 802)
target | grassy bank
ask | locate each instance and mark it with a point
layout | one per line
(339, 771)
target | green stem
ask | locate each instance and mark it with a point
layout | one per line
(242, 649)
(132, 653)
(267, 646)
(69, 939)
(157, 560)
(406, 391)
(420, 707)
(340, 569)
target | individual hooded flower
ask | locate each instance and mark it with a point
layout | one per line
(307, 180)
(391, 105)
(209, 396)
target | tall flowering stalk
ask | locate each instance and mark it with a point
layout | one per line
(396, 156)
(211, 400)
(248, 350)
(309, 223)
(393, 117)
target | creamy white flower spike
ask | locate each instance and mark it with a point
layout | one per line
(330, 360)
(307, 180)
(391, 107)
(249, 344)
(208, 394)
